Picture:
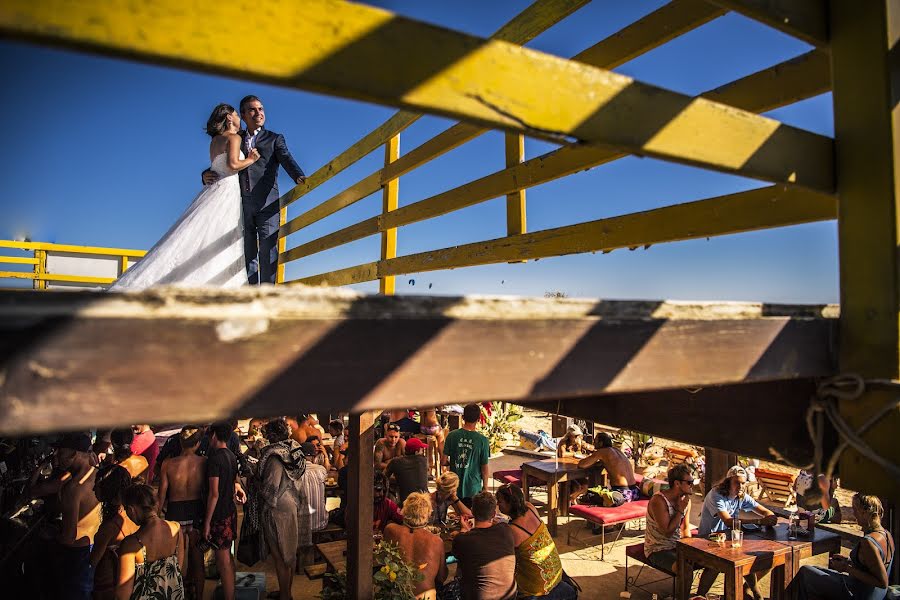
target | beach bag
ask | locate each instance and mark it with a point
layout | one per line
(598, 496)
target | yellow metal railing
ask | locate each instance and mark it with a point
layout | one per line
(802, 190)
(41, 252)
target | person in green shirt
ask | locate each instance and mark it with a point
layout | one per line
(466, 452)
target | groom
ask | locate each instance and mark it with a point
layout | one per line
(259, 190)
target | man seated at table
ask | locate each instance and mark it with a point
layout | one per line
(418, 546)
(817, 494)
(388, 447)
(721, 507)
(386, 510)
(668, 518)
(486, 552)
(619, 470)
(411, 470)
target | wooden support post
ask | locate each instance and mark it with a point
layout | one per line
(360, 483)
(40, 268)
(515, 201)
(282, 246)
(864, 45)
(717, 464)
(390, 201)
(123, 265)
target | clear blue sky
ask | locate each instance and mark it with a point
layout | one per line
(106, 152)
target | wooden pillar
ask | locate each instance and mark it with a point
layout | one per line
(865, 41)
(282, 246)
(390, 201)
(360, 484)
(717, 464)
(515, 202)
(40, 268)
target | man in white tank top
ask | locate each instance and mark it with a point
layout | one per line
(667, 518)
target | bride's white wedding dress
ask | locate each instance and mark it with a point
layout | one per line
(205, 246)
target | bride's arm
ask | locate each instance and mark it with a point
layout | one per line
(234, 154)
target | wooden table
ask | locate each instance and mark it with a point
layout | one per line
(754, 555)
(552, 472)
(804, 546)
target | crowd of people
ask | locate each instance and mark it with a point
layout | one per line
(137, 520)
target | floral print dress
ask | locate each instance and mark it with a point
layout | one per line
(157, 580)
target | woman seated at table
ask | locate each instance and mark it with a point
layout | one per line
(419, 547)
(573, 444)
(539, 572)
(444, 497)
(864, 575)
(721, 508)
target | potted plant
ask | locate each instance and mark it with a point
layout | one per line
(393, 578)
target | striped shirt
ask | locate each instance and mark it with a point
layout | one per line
(312, 504)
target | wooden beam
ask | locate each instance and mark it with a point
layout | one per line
(68, 358)
(390, 202)
(515, 201)
(19, 260)
(762, 208)
(49, 247)
(804, 19)
(41, 275)
(686, 415)
(360, 507)
(538, 17)
(487, 82)
(864, 53)
(719, 461)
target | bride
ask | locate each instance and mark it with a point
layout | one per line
(206, 245)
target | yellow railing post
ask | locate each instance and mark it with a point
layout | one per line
(390, 199)
(282, 246)
(515, 202)
(123, 265)
(40, 268)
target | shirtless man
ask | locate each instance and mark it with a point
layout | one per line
(388, 447)
(181, 493)
(304, 426)
(73, 574)
(419, 546)
(619, 470)
(136, 465)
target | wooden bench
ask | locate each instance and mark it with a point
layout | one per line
(776, 486)
(676, 456)
(513, 476)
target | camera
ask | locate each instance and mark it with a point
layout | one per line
(205, 545)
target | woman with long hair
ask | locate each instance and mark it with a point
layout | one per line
(115, 526)
(151, 560)
(864, 574)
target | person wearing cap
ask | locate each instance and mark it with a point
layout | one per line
(411, 470)
(721, 508)
(73, 575)
(572, 444)
(619, 470)
(389, 447)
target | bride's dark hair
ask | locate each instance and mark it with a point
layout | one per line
(217, 120)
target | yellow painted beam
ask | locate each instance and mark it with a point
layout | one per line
(538, 17)
(763, 208)
(282, 246)
(55, 277)
(19, 260)
(864, 42)
(354, 51)
(71, 248)
(390, 201)
(803, 19)
(123, 265)
(40, 268)
(796, 79)
(516, 221)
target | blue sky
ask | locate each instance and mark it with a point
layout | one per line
(108, 153)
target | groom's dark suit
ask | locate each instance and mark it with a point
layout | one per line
(259, 196)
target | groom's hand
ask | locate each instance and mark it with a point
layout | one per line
(301, 179)
(210, 177)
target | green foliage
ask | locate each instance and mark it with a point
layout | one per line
(500, 423)
(394, 579)
(633, 444)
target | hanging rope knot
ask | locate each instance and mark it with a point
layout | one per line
(843, 387)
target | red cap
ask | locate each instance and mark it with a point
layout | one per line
(413, 445)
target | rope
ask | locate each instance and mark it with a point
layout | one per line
(843, 387)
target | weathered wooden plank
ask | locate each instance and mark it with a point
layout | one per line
(19, 260)
(762, 208)
(86, 359)
(515, 201)
(776, 420)
(43, 276)
(803, 19)
(360, 507)
(864, 40)
(538, 17)
(50, 247)
(390, 201)
(488, 82)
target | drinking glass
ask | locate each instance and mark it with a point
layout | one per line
(737, 538)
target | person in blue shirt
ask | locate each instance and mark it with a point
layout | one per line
(721, 507)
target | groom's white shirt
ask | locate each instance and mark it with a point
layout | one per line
(251, 139)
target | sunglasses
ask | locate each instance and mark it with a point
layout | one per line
(393, 427)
